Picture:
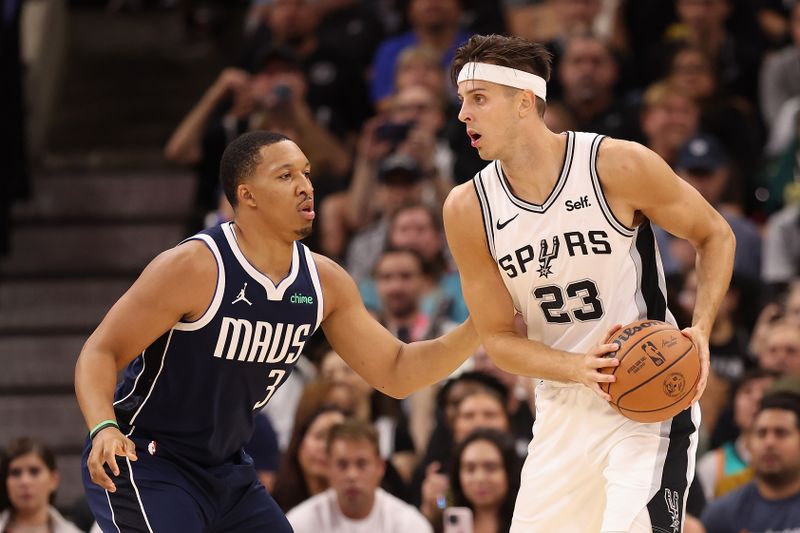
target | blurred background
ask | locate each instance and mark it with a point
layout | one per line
(114, 115)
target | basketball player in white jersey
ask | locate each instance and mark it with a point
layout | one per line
(558, 228)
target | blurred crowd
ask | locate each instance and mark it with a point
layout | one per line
(712, 86)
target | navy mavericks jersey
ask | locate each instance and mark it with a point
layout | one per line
(195, 389)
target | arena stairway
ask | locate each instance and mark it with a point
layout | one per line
(104, 204)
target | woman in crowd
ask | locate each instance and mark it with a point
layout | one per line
(485, 478)
(304, 467)
(30, 480)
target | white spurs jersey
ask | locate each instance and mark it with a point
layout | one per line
(573, 270)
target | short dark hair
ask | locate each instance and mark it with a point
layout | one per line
(352, 430)
(241, 158)
(785, 401)
(513, 52)
(391, 250)
(16, 449)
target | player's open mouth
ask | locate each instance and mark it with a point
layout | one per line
(307, 210)
(474, 137)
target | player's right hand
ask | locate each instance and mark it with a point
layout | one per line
(106, 446)
(588, 368)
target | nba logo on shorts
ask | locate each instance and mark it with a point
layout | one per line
(151, 448)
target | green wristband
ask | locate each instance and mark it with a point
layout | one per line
(101, 426)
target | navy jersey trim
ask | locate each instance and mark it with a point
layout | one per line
(609, 215)
(128, 501)
(316, 282)
(155, 379)
(486, 211)
(135, 381)
(566, 164)
(274, 292)
(219, 289)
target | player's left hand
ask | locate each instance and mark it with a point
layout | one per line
(700, 340)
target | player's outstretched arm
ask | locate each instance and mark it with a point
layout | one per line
(638, 182)
(492, 309)
(177, 284)
(391, 366)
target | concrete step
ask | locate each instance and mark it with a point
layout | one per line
(50, 307)
(53, 418)
(69, 249)
(140, 196)
(39, 362)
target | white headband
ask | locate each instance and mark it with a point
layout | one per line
(510, 77)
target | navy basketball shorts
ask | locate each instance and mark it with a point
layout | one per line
(164, 493)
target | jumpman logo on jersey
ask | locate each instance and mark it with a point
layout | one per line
(242, 297)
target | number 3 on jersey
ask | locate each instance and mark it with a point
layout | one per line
(551, 300)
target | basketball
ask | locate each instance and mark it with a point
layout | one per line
(657, 373)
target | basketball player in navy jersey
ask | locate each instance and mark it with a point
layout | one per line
(206, 335)
(557, 227)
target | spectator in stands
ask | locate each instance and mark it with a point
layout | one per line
(419, 65)
(352, 29)
(355, 501)
(588, 73)
(400, 159)
(780, 75)
(771, 502)
(29, 482)
(337, 92)
(703, 163)
(669, 118)
(718, 465)
(417, 227)
(781, 254)
(519, 403)
(791, 307)
(485, 478)
(482, 408)
(729, 338)
(304, 466)
(729, 118)
(780, 350)
(567, 18)
(435, 24)
(399, 278)
(385, 413)
(702, 24)
(237, 102)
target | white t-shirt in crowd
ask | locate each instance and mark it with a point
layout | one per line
(389, 515)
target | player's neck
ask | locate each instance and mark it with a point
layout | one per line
(270, 254)
(533, 162)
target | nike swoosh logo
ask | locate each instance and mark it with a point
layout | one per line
(501, 225)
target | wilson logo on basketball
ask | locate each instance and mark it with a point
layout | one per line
(674, 384)
(627, 333)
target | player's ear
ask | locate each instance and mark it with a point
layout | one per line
(527, 103)
(245, 195)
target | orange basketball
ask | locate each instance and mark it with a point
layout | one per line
(657, 374)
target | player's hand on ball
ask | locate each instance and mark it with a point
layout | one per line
(700, 340)
(106, 446)
(588, 371)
